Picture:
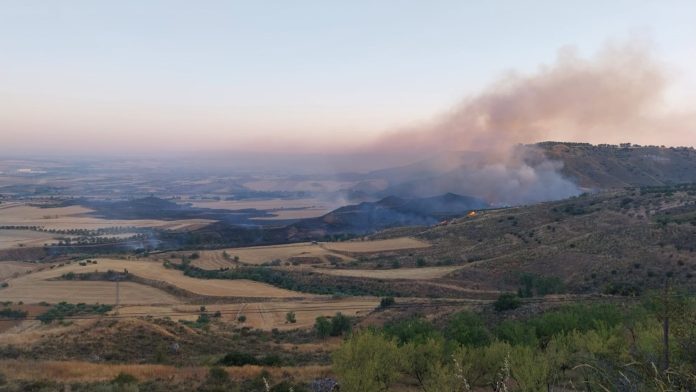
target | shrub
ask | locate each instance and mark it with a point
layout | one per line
(12, 314)
(466, 328)
(322, 326)
(340, 324)
(236, 358)
(124, 378)
(507, 301)
(415, 329)
(241, 318)
(290, 318)
(386, 302)
(217, 376)
(367, 362)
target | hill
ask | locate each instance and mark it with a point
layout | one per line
(391, 211)
(539, 172)
(617, 242)
(610, 166)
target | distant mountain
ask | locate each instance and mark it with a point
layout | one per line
(391, 211)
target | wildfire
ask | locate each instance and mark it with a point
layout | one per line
(471, 214)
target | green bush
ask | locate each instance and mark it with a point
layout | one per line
(467, 328)
(387, 302)
(340, 324)
(414, 329)
(323, 327)
(507, 301)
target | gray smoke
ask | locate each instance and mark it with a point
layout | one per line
(614, 97)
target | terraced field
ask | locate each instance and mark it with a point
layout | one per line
(397, 273)
(38, 287)
(264, 254)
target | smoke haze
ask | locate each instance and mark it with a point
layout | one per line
(617, 96)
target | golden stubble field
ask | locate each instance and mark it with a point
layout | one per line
(321, 251)
(9, 269)
(38, 286)
(74, 217)
(396, 273)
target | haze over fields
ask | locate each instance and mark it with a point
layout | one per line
(312, 196)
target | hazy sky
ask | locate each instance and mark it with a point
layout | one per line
(303, 75)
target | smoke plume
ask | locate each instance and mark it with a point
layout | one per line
(617, 96)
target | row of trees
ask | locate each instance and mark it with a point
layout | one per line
(648, 347)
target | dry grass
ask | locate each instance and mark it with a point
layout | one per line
(10, 269)
(397, 273)
(16, 238)
(74, 217)
(76, 371)
(391, 244)
(35, 285)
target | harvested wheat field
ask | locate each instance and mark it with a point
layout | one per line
(396, 273)
(75, 217)
(264, 254)
(374, 246)
(152, 271)
(18, 238)
(30, 290)
(10, 269)
(263, 315)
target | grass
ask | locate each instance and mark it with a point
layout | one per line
(78, 371)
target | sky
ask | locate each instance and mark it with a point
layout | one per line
(303, 76)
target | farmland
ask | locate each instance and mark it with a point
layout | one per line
(24, 286)
(398, 273)
(76, 217)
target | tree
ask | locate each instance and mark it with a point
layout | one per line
(340, 324)
(430, 365)
(666, 305)
(467, 329)
(386, 302)
(506, 301)
(367, 362)
(290, 318)
(323, 327)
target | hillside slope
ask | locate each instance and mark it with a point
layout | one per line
(609, 166)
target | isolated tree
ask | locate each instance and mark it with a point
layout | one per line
(667, 306)
(290, 318)
(367, 362)
(323, 327)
